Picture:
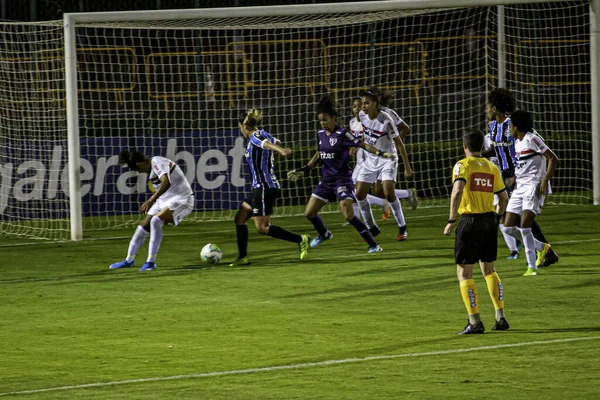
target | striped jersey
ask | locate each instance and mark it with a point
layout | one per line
(179, 184)
(380, 133)
(260, 160)
(504, 144)
(531, 163)
(356, 130)
(482, 180)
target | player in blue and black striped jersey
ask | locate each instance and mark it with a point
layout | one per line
(265, 188)
(501, 102)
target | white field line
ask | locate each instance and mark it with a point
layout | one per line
(298, 366)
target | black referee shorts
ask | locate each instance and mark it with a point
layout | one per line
(262, 201)
(476, 239)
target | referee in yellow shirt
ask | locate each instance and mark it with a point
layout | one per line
(475, 181)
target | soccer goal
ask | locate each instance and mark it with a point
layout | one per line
(173, 83)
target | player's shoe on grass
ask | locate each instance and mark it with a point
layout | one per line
(542, 254)
(402, 234)
(513, 255)
(413, 200)
(501, 325)
(530, 272)
(551, 258)
(471, 329)
(121, 264)
(386, 211)
(319, 239)
(148, 266)
(375, 249)
(240, 262)
(304, 244)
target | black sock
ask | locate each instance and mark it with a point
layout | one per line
(280, 233)
(242, 240)
(536, 231)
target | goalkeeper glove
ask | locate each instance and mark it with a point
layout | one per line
(384, 154)
(298, 173)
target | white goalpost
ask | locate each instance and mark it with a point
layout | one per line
(174, 82)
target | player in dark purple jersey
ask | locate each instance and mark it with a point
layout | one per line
(334, 143)
(265, 189)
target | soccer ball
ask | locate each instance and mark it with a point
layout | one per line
(211, 253)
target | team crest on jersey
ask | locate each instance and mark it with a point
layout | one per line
(457, 170)
(332, 141)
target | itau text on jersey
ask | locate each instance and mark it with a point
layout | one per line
(380, 132)
(260, 160)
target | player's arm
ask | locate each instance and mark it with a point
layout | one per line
(502, 203)
(298, 173)
(165, 184)
(402, 151)
(455, 198)
(266, 144)
(403, 129)
(373, 150)
(552, 162)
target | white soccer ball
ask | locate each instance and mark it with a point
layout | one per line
(211, 253)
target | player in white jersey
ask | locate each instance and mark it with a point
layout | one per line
(379, 131)
(172, 200)
(532, 185)
(355, 127)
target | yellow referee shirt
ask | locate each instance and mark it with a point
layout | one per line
(482, 179)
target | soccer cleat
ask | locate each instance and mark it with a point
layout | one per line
(375, 231)
(304, 244)
(513, 255)
(375, 249)
(501, 325)
(319, 239)
(551, 258)
(386, 212)
(121, 264)
(402, 234)
(530, 272)
(413, 200)
(471, 329)
(240, 262)
(542, 254)
(148, 266)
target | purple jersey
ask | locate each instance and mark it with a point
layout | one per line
(333, 149)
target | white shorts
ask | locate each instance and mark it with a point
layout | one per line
(386, 170)
(180, 206)
(526, 198)
(356, 172)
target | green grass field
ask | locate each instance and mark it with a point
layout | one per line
(339, 325)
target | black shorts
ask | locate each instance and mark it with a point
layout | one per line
(262, 201)
(476, 239)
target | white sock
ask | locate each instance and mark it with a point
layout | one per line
(402, 194)
(137, 240)
(530, 246)
(511, 242)
(156, 225)
(367, 214)
(512, 231)
(356, 210)
(397, 211)
(376, 201)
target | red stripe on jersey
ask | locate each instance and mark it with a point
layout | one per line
(526, 151)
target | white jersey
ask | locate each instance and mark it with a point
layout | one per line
(179, 184)
(380, 133)
(530, 167)
(393, 114)
(357, 130)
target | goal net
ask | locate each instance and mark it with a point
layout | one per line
(175, 88)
